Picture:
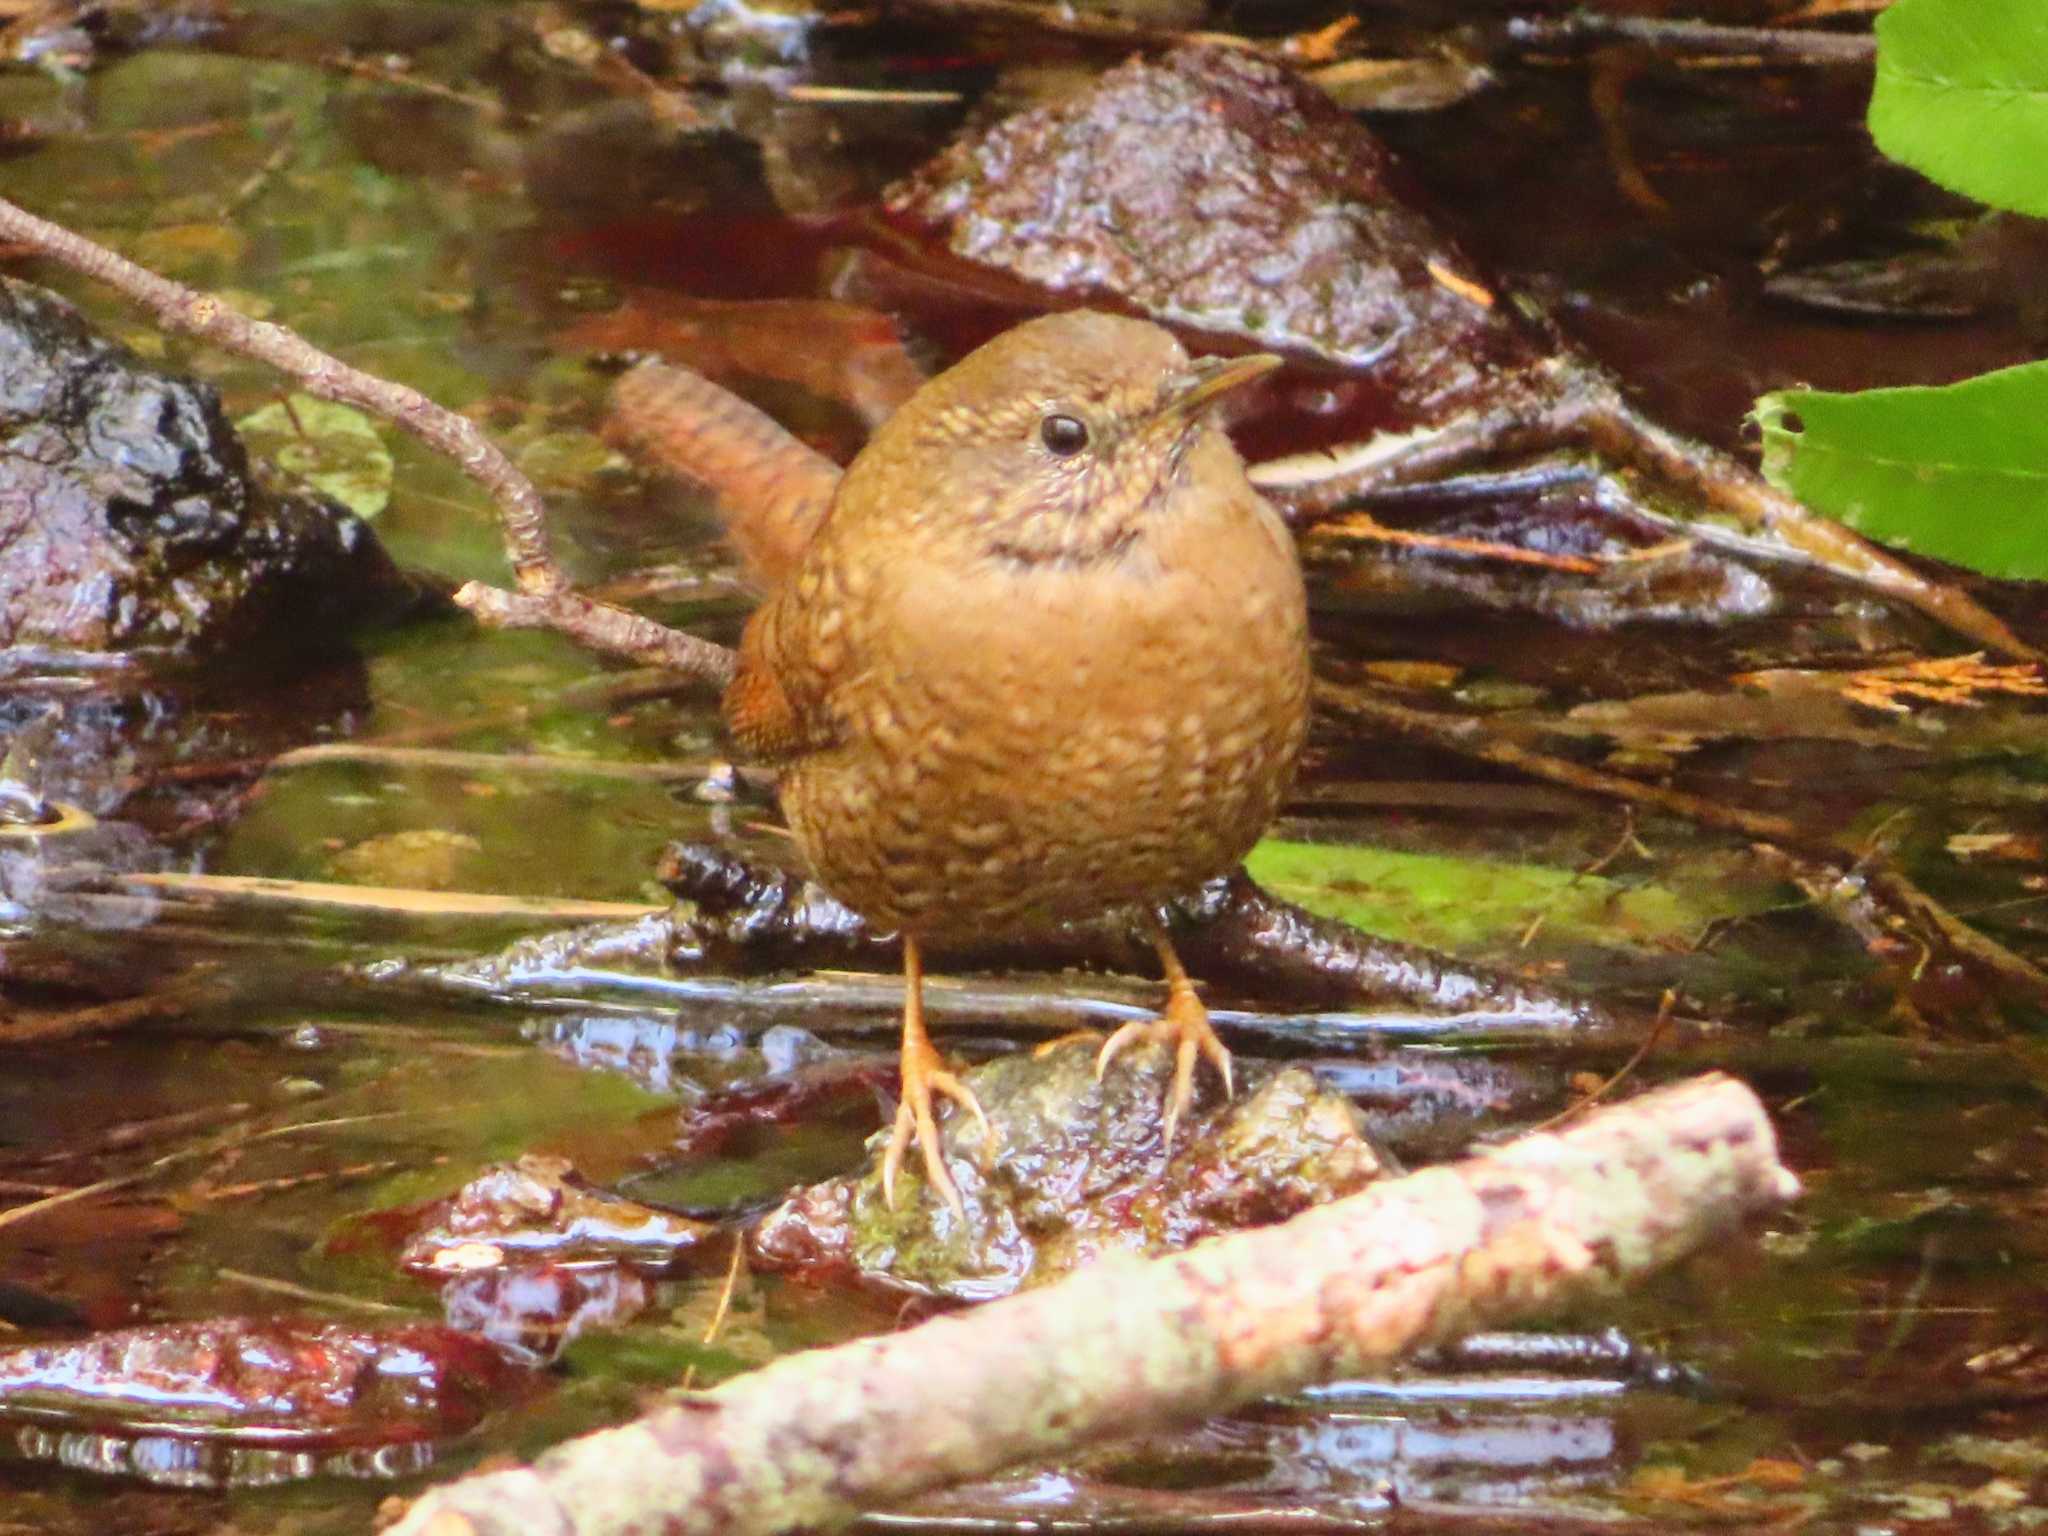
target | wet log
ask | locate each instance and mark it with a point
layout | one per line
(1129, 1346)
(1230, 931)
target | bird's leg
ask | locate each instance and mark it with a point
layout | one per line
(924, 1072)
(1184, 1024)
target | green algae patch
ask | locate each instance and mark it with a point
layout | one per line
(1475, 904)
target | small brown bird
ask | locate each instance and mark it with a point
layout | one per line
(1045, 655)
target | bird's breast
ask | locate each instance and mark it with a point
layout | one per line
(1025, 744)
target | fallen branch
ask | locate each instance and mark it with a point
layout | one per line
(600, 627)
(186, 310)
(1129, 1346)
(1564, 402)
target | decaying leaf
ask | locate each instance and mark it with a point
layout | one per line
(1957, 680)
(331, 447)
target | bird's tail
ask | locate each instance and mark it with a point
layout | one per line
(772, 490)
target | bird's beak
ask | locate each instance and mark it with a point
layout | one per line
(1208, 379)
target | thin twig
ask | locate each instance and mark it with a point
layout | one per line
(252, 186)
(732, 1281)
(1588, 30)
(250, 1189)
(600, 627)
(602, 691)
(335, 1299)
(1622, 844)
(1607, 92)
(1572, 1111)
(850, 95)
(20, 1213)
(30, 1028)
(724, 1307)
(325, 896)
(452, 760)
(1363, 525)
(183, 309)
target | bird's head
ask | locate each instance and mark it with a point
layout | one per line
(1056, 442)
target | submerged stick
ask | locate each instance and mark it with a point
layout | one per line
(1131, 1345)
(1470, 737)
(328, 896)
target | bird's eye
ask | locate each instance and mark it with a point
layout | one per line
(1063, 435)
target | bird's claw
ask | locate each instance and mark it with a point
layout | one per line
(921, 1079)
(1185, 1026)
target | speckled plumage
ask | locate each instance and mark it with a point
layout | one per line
(1011, 689)
(1011, 682)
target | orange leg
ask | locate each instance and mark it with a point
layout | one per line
(1183, 1024)
(924, 1073)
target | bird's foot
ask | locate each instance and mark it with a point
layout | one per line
(1184, 1025)
(924, 1074)
(1045, 1048)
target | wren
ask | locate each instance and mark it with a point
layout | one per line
(1043, 656)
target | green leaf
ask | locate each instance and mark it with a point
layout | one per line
(329, 447)
(1467, 904)
(1962, 96)
(1959, 471)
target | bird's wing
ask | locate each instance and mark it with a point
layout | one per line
(770, 721)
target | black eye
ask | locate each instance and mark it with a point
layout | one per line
(1063, 435)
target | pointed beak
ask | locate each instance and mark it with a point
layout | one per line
(1208, 379)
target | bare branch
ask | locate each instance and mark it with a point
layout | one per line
(179, 308)
(1471, 737)
(601, 627)
(544, 600)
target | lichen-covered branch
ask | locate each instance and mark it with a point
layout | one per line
(1129, 1346)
